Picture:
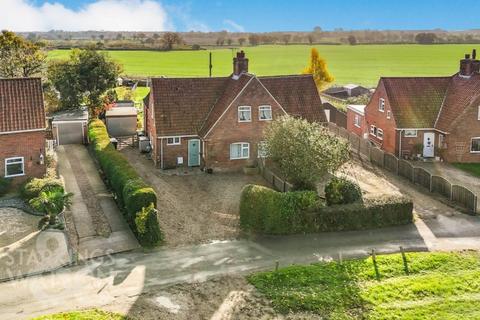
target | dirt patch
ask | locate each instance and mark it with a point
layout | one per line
(194, 207)
(219, 299)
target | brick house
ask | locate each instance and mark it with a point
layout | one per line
(219, 122)
(22, 129)
(356, 122)
(430, 116)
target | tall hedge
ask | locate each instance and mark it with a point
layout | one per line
(131, 191)
(266, 211)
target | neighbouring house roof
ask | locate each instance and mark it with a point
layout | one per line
(415, 101)
(21, 105)
(358, 108)
(121, 112)
(192, 106)
(124, 103)
(77, 114)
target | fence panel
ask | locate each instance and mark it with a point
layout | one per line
(441, 186)
(354, 142)
(391, 163)
(333, 128)
(342, 132)
(405, 169)
(464, 197)
(377, 156)
(365, 147)
(422, 177)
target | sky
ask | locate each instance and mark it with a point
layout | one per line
(237, 15)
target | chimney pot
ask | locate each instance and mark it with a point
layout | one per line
(240, 64)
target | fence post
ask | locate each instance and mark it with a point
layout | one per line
(375, 266)
(284, 186)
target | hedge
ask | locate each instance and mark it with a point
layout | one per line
(131, 191)
(340, 190)
(266, 211)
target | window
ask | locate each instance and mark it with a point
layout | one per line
(262, 149)
(14, 167)
(380, 134)
(381, 105)
(239, 150)
(410, 133)
(478, 113)
(373, 130)
(244, 114)
(172, 141)
(475, 148)
(356, 120)
(265, 113)
(389, 114)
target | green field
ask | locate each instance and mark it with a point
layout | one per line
(362, 64)
(438, 286)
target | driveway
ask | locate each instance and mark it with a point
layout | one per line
(94, 223)
(194, 207)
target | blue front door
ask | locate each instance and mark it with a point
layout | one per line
(193, 152)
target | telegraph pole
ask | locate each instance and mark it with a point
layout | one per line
(210, 66)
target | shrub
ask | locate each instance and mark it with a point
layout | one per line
(146, 222)
(342, 191)
(4, 185)
(51, 203)
(131, 192)
(265, 210)
(32, 188)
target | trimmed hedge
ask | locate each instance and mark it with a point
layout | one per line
(342, 191)
(266, 211)
(132, 193)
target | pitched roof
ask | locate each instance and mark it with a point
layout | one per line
(460, 94)
(416, 101)
(21, 104)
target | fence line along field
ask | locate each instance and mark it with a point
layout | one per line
(362, 64)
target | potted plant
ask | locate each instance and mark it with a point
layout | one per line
(417, 149)
(51, 203)
(250, 167)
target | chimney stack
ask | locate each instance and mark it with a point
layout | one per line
(469, 66)
(240, 64)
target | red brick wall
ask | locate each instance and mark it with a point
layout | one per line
(28, 145)
(464, 129)
(351, 127)
(228, 130)
(375, 117)
(408, 143)
(172, 152)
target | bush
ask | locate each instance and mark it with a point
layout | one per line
(146, 222)
(131, 192)
(342, 191)
(265, 210)
(32, 188)
(4, 185)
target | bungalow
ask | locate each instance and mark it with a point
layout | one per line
(430, 116)
(218, 122)
(22, 129)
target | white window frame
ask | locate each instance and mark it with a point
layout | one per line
(471, 144)
(381, 105)
(262, 150)
(243, 145)
(389, 114)
(176, 141)
(410, 135)
(266, 107)
(356, 120)
(19, 160)
(379, 134)
(243, 109)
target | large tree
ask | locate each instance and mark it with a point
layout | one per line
(84, 78)
(169, 39)
(19, 57)
(303, 151)
(318, 68)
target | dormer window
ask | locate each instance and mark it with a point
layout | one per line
(244, 114)
(381, 105)
(265, 113)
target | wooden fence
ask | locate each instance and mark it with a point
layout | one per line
(436, 184)
(278, 183)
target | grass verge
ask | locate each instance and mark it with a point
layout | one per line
(472, 168)
(94, 314)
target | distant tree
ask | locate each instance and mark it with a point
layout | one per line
(102, 37)
(19, 57)
(286, 38)
(318, 68)
(352, 40)
(220, 41)
(119, 36)
(229, 41)
(253, 39)
(94, 37)
(241, 41)
(169, 39)
(311, 38)
(317, 29)
(150, 40)
(425, 38)
(156, 36)
(141, 36)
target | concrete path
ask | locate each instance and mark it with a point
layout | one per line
(97, 222)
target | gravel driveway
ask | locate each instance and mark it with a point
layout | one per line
(194, 207)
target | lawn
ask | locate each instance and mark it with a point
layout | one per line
(83, 315)
(472, 168)
(362, 64)
(439, 286)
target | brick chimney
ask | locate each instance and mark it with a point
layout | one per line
(240, 64)
(469, 65)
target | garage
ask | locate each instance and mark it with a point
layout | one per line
(70, 126)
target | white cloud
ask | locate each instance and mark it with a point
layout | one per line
(105, 15)
(233, 26)
(182, 12)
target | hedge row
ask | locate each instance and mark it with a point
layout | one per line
(266, 211)
(131, 192)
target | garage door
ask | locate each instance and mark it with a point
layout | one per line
(70, 133)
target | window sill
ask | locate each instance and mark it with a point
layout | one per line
(15, 175)
(265, 119)
(240, 158)
(244, 120)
